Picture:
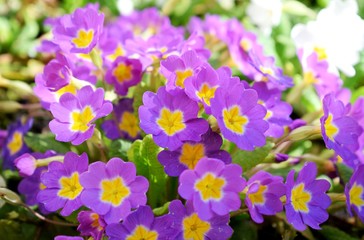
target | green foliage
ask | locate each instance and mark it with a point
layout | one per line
(344, 171)
(118, 148)
(333, 233)
(43, 142)
(244, 229)
(249, 159)
(144, 154)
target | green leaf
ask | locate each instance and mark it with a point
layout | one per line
(12, 230)
(144, 154)
(249, 159)
(344, 171)
(243, 228)
(119, 148)
(43, 142)
(332, 233)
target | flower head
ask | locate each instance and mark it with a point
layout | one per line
(339, 130)
(263, 195)
(141, 224)
(190, 153)
(125, 123)
(91, 224)
(239, 116)
(62, 184)
(74, 114)
(124, 73)
(113, 189)
(307, 201)
(354, 192)
(171, 118)
(213, 187)
(80, 31)
(14, 145)
(188, 225)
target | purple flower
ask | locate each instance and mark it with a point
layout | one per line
(14, 145)
(141, 224)
(263, 195)
(190, 153)
(239, 116)
(26, 164)
(307, 201)
(91, 224)
(125, 124)
(202, 86)
(278, 112)
(177, 69)
(63, 188)
(213, 187)
(112, 189)
(188, 225)
(74, 114)
(339, 130)
(124, 73)
(171, 118)
(62, 237)
(354, 192)
(80, 31)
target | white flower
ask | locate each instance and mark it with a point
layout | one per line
(265, 14)
(337, 36)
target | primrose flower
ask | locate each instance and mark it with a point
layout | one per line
(177, 69)
(124, 73)
(213, 187)
(113, 189)
(74, 114)
(62, 184)
(354, 193)
(14, 145)
(125, 124)
(80, 31)
(141, 224)
(91, 224)
(263, 195)
(188, 225)
(171, 118)
(203, 85)
(265, 14)
(307, 201)
(278, 112)
(327, 41)
(339, 130)
(239, 116)
(190, 153)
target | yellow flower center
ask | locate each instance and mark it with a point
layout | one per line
(129, 124)
(206, 93)
(194, 228)
(122, 72)
(321, 53)
(80, 120)
(191, 154)
(95, 221)
(268, 115)
(245, 44)
(42, 186)
(142, 233)
(300, 198)
(233, 119)
(84, 38)
(266, 70)
(258, 197)
(70, 88)
(119, 51)
(330, 129)
(356, 195)
(171, 122)
(210, 187)
(16, 143)
(114, 191)
(309, 78)
(70, 186)
(181, 77)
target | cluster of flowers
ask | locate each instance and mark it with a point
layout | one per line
(91, 77)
